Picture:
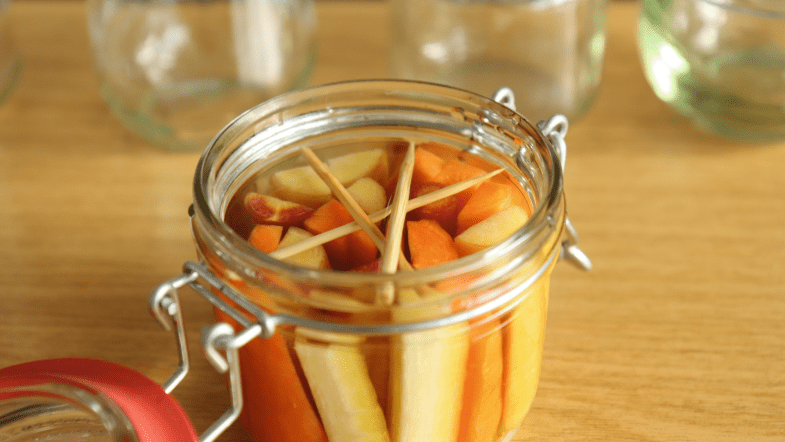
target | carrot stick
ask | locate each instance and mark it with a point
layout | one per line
(328, 216)
(265, 237)
(443, 211)
(489, 198)
(455, 171)
(426, 166)
(429, 244)
(523, 340)
(276, 406)
(482, 394)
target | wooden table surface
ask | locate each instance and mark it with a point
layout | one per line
(678, 334)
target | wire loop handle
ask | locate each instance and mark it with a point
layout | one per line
(164, 304)
(554, 129)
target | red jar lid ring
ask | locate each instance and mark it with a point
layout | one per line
(155, 415)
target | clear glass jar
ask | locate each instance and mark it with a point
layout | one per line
(721, 63)
(63, 400)
(456, 355)
(176, 72)
(550, 52)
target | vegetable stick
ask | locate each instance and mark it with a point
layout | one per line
(347, 251)
(338, 376)
(523, 340)
(481, 410)
(427, 373)
(489, 199)
(265, 237)
(443, 211)
(455, 171)
(274, 395)
(429, 244)
(426, 167)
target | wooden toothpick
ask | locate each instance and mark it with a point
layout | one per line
(392, 253)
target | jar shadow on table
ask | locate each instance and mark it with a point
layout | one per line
(176, 72)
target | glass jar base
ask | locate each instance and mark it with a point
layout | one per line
(187, 115)
(540, 95)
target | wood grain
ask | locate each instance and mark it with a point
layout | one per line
(678, 334)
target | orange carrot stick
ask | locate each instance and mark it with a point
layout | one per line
(523, 340)
(489, 199)
(444, 211)
(455, 171)
(346, 252)
(429, 244)
(328, 216)
(518, 197)
(265, 237)
(426, 166)
(482, 394)
(276, 406)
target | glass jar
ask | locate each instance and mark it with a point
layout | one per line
(456, 352)
(177, 71)
(62, 400)
(720, 63)
(550, 52)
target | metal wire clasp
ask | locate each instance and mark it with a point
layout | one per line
(554, 129)
(164, 304)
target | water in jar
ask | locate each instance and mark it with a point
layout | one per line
(472, 380)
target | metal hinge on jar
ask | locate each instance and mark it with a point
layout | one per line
(554, 129)
(165, 306)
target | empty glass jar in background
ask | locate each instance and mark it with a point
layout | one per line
(719, 62)
(10, 62)
(176, 71)
(548, 51)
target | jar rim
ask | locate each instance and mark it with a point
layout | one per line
(220, 233)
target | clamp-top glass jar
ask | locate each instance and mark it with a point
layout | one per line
(337, 344)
